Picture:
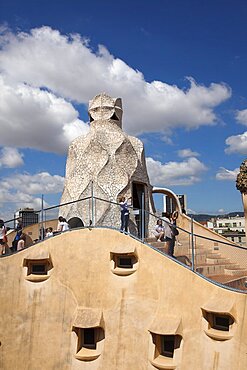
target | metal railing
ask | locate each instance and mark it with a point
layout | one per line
(215, 259)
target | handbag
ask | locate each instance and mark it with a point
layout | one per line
(174, 230)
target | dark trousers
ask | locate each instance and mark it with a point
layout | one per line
(14, 245)
(124, 221)
(171, 246)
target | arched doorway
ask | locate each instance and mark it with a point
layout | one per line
(75, 222)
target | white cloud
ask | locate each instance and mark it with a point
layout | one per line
(21, 190)
(40, 183)
(229, 175)
(241, 116)
(166, 139)
(185, 153)
(237, 144)
(69, 69)
(187, 172)
(38, 118)
(19, 199)
(221, 210)
(11, 158)
(191, 211)
(11, 202)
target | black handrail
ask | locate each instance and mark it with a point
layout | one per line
(148, 214)
(131, 207)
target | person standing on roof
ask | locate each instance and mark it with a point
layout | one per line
(174, 233)
(18, 230)
(123, 202)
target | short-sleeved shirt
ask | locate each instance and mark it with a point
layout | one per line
(49, 234)
(167, 228)
(2, 232)
(124, 207)
(64, 226)
(159, 228)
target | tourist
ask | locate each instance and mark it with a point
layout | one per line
(18, 230)
(123, 202)
(159, 231)
(62, 224)
(41, 233)
(21, 242)
(3, 238)
(167, 229)
(174, 233)
(49, 232)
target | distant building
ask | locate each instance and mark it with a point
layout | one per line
(232, 228)
(27, 216)
(169, 204)
(223, 224)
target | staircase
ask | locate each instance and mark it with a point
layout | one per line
(208, 261)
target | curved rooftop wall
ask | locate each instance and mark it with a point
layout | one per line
(130, 295)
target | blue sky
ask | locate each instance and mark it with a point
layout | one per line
(179, 67)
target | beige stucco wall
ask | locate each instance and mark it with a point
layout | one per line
(37, 317)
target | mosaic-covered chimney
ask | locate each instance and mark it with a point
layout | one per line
(107, 163)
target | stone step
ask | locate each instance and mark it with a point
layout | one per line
(183, 240)
(182, 250)
(205, 251)
(200, 259)
(199, 245)
(235, 271)
(160, 246)
(161, 249)
(209, 270)
(217, 261)
(150, 240)
(214, 255)
(204, 258)
(238, 282)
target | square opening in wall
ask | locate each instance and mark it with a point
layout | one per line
(221, 322)
(218, 326)
(125, 262)
(38, 268)
(167, 345)
(89, 338)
